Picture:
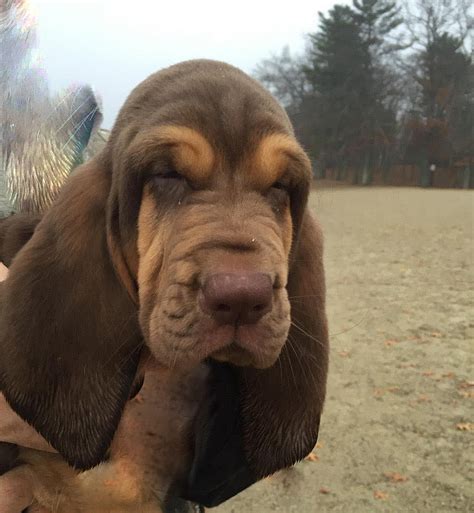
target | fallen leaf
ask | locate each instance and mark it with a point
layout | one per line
(319, 445)
(378, 494)
(379, 392)
(466, 384)
(423, 399)
(465, 426)
(395, 477)
(448, 375)
(343, 354)
(324, 490)
(312, 457)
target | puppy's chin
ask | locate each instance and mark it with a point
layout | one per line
(240, 357)
(235, 355)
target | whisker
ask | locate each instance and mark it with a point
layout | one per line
(364, 318)
(302, 297)
(293, 323)
(303, 311)
(123, 361)
(303, 360)
(290, 346)
(123, 342)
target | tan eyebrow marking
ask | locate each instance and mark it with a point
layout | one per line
(272, 157)
(192, 154)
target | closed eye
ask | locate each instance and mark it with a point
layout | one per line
(280, 185)
(167, 177)
(168, 181)
(171, 175)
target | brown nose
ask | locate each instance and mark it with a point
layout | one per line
(238, 297)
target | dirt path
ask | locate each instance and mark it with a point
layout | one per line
(398, 431)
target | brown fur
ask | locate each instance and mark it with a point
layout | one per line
(120, 257)
(149, 453)
(15, 232)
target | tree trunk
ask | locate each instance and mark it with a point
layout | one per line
(355, 176)
(366, 172)
(467, 178)
(425, 174)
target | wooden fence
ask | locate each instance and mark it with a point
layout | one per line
(406, 175)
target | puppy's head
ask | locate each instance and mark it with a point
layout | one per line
(219, 184)
(189, 232)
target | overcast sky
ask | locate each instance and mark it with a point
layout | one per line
(114, 44)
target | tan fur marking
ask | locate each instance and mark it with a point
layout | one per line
(146, 223)
(287, 231)
(192, 154)
(149, 245)
(272, 157)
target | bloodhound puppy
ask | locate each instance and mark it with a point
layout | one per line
(188, 237)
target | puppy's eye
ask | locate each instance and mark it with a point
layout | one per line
(281, 186)
(168, 178)
(279, 196)
(171, 175)
(169, 184)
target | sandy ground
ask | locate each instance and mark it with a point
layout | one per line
(398, 431)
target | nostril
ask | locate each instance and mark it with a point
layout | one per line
(238, 297)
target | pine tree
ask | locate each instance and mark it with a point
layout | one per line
(348, 73)
(443, 70)
(335, 72)
(376, 21)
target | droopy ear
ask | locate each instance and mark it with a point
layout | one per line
(69, 335)
(255, 422)
(282, 405)
(15, 232)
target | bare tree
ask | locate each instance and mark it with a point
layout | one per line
(427, 20)
(282, 74)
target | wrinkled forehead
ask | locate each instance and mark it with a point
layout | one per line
(220, 101)
(205, 123)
